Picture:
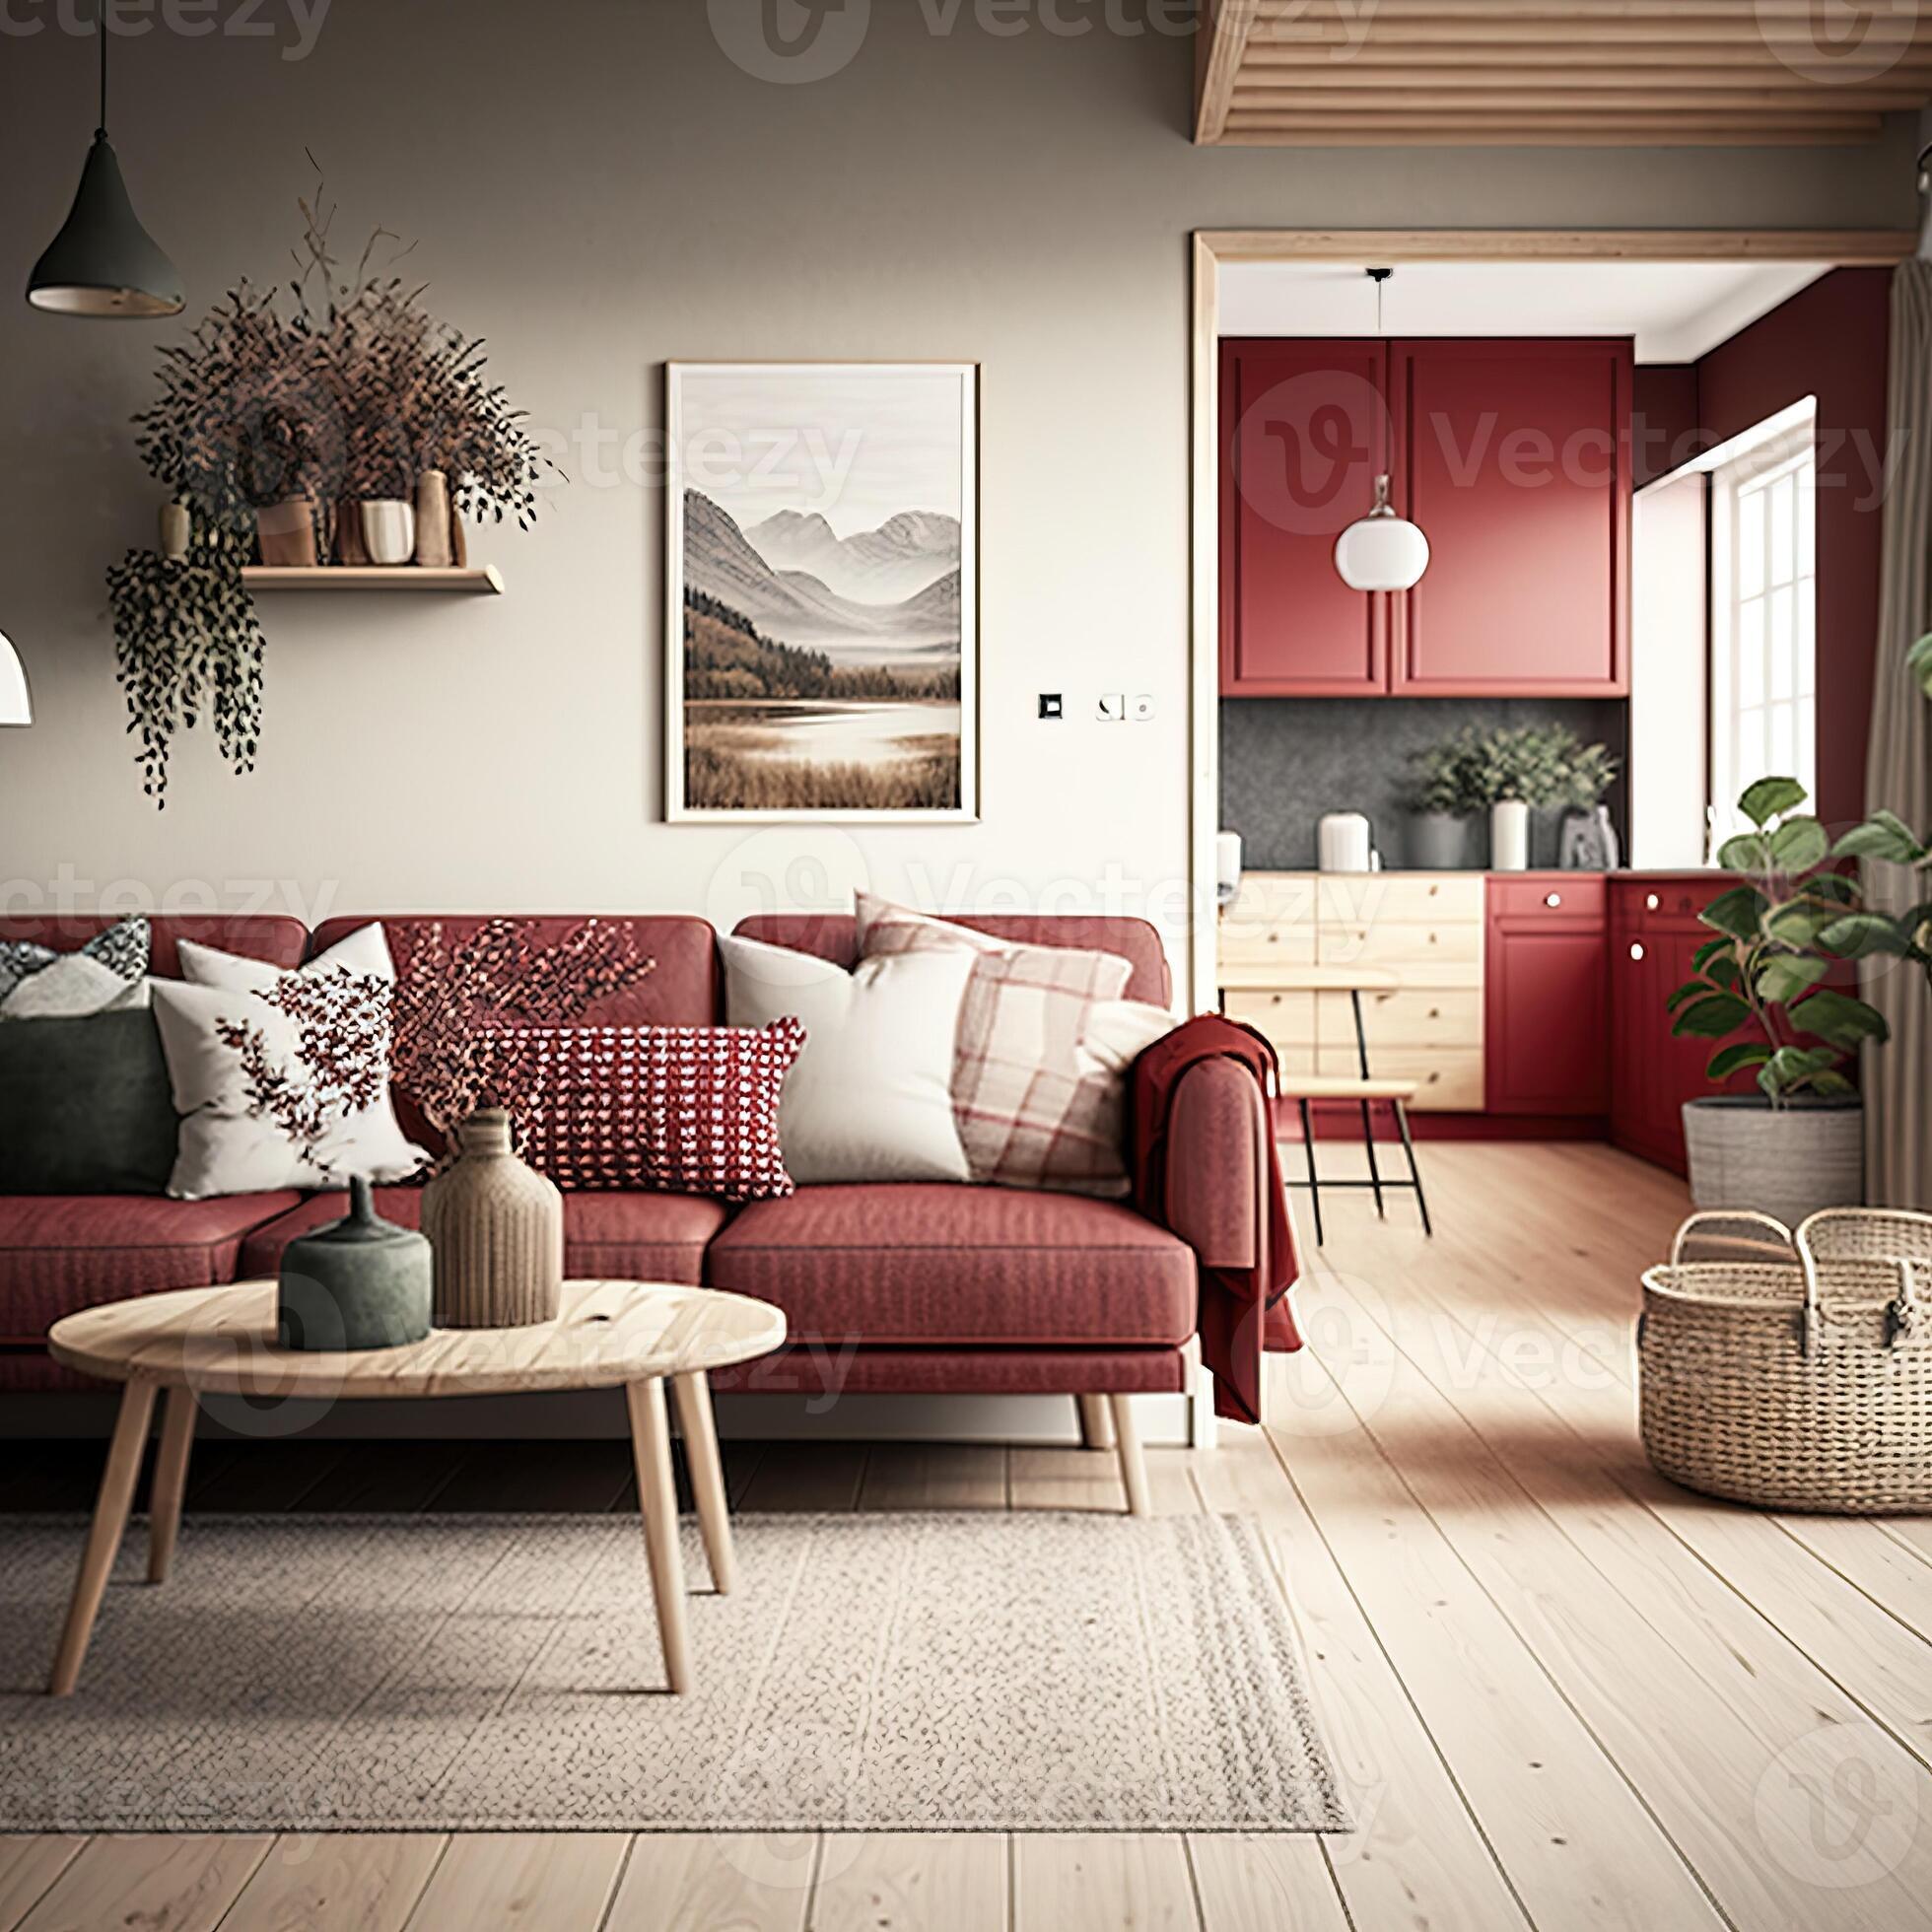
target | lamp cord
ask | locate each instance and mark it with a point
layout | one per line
(101, 28)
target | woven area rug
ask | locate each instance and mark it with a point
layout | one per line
(879, 1672)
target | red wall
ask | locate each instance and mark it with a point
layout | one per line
(1828, 341)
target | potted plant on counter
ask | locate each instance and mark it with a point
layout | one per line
(1515, 769)
(1440, 795)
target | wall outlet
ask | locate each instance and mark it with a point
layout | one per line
(1113, 707)
(1142, 710)
(1051, 706)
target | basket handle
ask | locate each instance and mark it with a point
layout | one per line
(1908, 1310)
(1734, 1215)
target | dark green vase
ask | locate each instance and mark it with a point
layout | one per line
(361, 1282)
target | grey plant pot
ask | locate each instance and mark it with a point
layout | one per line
(1438, 842)
(1785, 1161)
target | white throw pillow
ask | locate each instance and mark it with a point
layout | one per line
(283, 1078)
(870, 1097)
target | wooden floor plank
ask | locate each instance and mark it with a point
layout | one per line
(911, 1882)
(258, 1477)
(1578, 1846)
(808, 1476)
(1416, 1860)
(1877, 1565)
(30, 1862)
(391, 1477)
(589, 1476)
(543, 1881)
(370, 1880)
(695, 1882)
(149, 1882)
(1101, 1883)
(936, 1476)
(1277, 1883)
(1695, 1699)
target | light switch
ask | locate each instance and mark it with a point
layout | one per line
(1113, 707)
(1050, 705)
(1143, 709)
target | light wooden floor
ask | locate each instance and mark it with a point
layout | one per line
(1564, 1694)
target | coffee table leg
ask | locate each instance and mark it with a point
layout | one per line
(110, 1509)
(694, 1418)
(171, 1479)
(651, 1447)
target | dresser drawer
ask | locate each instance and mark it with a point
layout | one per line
(1285, 1017)
(1398, 945)
(1272, 919)
(1406, 898)
(1411, 1017)
(1447, 1081)
(1576, 895)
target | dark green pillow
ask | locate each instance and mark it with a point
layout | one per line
(85, 1106)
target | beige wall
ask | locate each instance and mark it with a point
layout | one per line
(596, 189)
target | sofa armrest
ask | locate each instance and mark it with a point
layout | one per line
(1217, 1169)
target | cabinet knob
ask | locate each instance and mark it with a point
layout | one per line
(1651, 902)
(1637, 951)
(1552, 899)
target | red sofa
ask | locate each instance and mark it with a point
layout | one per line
(907, 1288)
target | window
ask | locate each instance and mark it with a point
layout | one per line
(1764, 619)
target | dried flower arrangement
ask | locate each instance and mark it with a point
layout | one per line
(353, 390)
(461, 1006)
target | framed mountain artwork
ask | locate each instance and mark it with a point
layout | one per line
(823, 568)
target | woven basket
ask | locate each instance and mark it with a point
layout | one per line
(1796, 1373)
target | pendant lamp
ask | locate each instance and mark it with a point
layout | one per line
(15, 706)
(1382, 551)
(104, 262)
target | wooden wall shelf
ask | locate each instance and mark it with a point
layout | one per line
(485, 581)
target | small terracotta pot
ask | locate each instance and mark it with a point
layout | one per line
(287, 534)
(175, 530)
(433, 520)
(388, 529)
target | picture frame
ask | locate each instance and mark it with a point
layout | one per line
(821, 616)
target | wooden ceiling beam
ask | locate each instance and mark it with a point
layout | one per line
(1877, 247)
(1820, 103)
(1491, 135)
(1560, 13)
(1219, 51)
(1661, 66)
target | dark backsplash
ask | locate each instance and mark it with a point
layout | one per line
(1287, 761)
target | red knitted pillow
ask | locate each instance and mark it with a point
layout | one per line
(675, 1109)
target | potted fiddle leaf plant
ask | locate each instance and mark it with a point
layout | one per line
(1772, 984)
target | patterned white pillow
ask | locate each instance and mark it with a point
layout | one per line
(107, 973)
(283, 1078)
(1039, 1082)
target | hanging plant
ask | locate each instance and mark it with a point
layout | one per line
(186, 642)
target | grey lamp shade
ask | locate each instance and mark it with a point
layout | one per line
(104, 262)
(15, 708)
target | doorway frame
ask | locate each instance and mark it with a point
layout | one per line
(1215, 248)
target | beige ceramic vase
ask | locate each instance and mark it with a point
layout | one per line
(433, 520)
(496, 1231)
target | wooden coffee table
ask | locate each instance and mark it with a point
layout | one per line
(632, 1334)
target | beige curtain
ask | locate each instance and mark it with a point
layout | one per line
(1897, 1077)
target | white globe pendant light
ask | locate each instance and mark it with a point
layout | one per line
(14, 706)
(1382, 551)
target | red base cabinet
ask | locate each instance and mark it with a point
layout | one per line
(1547, 996)
(1654, 930)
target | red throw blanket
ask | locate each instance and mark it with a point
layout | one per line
(1242, 1310)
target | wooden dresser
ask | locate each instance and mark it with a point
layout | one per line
(1292, 943)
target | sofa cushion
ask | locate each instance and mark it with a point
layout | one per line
(272, 936)
(835, 937)
(930, 1263)
(620, 1237)
(61, 1252)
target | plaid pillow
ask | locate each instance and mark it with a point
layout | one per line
(675, 1109)
(1036, 1108)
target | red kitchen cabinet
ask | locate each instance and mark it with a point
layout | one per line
(1514, 456)
(1547, 996)
(1654, 930)
(1518, 474)
(1303, 429)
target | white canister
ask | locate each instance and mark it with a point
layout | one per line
(389, 526)
(1509, 836)
(1227, 866)
(1344, 840)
